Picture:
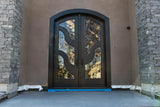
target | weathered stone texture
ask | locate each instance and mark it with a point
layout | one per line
(148, 25)
(10, 34)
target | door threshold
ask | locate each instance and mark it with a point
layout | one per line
(71, 90)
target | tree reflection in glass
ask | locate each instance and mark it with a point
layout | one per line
(66, 48)
(93, 69)
(92, 34)
(62, 72)
(70, 26)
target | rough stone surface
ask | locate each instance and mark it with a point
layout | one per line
(146, 88)
(148, 25)
(10, 35)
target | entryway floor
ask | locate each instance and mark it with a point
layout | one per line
(80, 99)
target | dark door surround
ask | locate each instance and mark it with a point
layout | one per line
(106, 42)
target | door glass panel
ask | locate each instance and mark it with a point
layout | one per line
(63, 73)
(70, 26)
(92, 34)
(66, 48)
(93, 69)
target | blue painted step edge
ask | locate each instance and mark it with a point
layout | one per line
(60, 90)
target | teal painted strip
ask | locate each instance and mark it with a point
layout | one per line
(60, 90)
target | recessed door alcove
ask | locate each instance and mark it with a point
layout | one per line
(79, 50)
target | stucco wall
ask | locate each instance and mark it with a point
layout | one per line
(35, 38)
(134, 44)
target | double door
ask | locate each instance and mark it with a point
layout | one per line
(79, 56)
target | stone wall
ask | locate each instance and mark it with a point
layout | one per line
(148, 25)
(10, 41)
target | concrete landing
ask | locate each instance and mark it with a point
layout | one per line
(80, 99)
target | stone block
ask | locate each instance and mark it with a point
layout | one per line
(146, 88)
(9, 88)
(3, 17)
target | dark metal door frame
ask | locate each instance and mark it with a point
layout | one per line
(106, 41)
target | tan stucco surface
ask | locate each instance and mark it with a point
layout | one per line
(134, 44)
(35, 38)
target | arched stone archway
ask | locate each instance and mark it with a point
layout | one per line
(10, 32)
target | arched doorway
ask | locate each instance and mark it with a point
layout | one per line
(79, 50)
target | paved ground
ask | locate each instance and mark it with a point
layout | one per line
(80, 99)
